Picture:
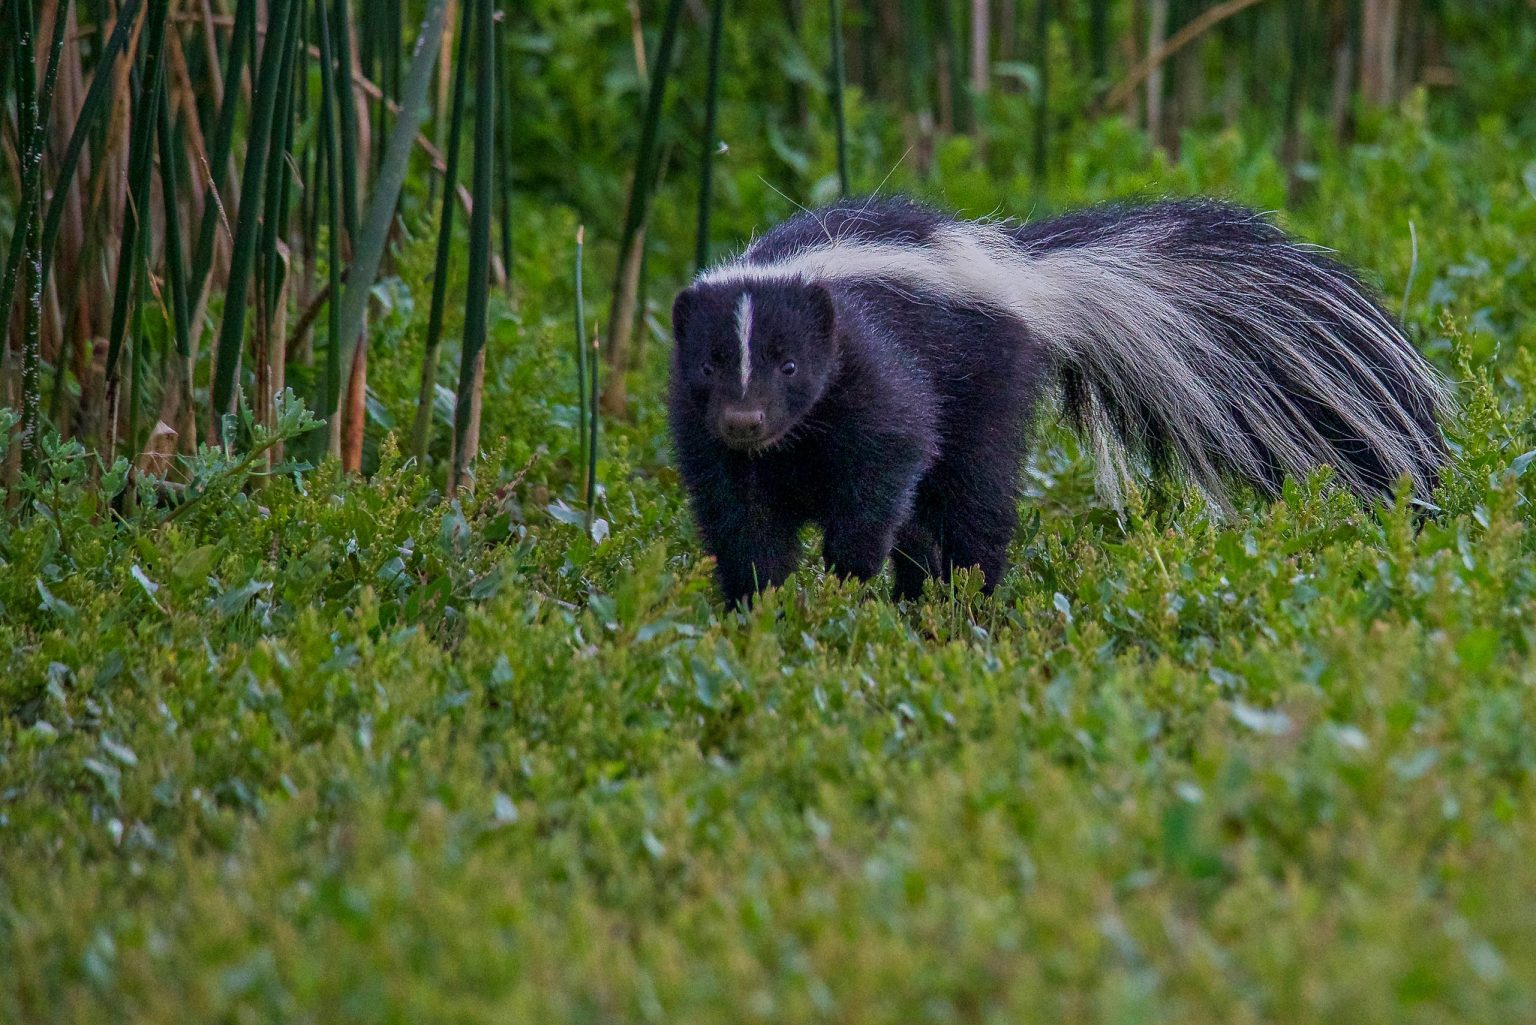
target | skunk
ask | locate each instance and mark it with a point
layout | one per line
(874, 368)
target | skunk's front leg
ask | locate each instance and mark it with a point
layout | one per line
(857, 548)
(916, 555)
(859, 531)
(762, 556)
(755, 544)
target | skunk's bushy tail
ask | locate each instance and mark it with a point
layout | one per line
(1193, 334)
(1200, 336)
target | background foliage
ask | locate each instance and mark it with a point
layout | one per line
(281, 741)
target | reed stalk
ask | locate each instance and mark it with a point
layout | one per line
(1043, 95)
(641, 186)
(330, 390)
(592, 392)
(248, 227)
(421, 429)
(466, 414)
(136, 206)
(581, 356)
(707, 141)
(368, 249)
(839, 79)
(175, 268)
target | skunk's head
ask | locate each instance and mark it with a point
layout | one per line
(753, 359)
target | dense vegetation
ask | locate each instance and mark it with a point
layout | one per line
(284, 742)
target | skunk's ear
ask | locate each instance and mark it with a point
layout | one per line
(682, 309)
(822, 310)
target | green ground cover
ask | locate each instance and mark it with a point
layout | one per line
(325, 749)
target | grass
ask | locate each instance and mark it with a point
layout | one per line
(329, 749)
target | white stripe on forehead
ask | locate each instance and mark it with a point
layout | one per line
(744, 335)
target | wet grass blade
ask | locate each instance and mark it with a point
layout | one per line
(466, 420)
(422, 426)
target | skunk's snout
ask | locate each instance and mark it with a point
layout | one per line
(743, 428)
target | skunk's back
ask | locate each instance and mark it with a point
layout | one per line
(1195, 334)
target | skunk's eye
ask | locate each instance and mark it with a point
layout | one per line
(788, 368)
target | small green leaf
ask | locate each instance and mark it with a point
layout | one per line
(1272, 723)
(566, 514)
(232, 602)
(55, 605)
(1063, 605)
(149, 586)
(194, 566)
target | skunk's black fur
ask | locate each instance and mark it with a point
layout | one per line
(874, 368)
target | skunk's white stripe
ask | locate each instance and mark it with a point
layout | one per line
(744, 337)
(1145, 332)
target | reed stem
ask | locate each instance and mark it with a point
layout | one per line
(839, 77)
(707, 141)
(421, 428)
(466, 420)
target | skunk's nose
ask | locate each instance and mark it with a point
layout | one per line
(743, 427)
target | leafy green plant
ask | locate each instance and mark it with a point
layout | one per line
(281, 742)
